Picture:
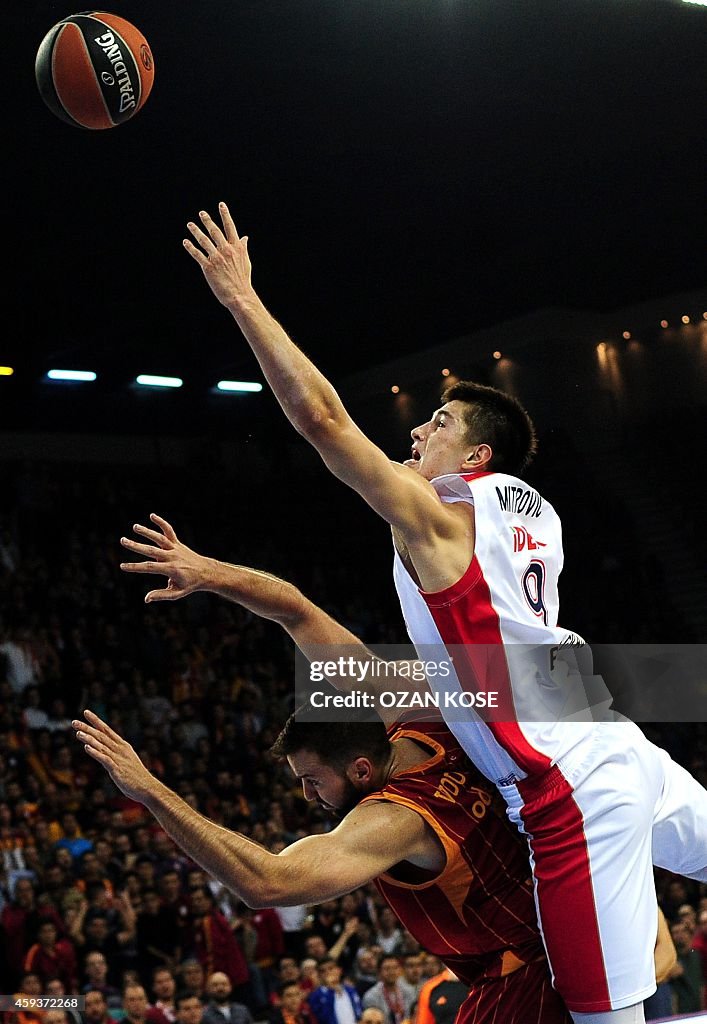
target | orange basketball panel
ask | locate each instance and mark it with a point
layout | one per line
(75, 80)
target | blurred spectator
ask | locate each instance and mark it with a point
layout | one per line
(291, 1006)
(325, 923)
(19, 921)
(135, 1004)
(52, 957)
(334, 1001)
(315, 947)
(309, 974)
(699, 939)
(96, 1008)
(688, 915)
(686, 978)
(56, 1017)
(214, 943)
(292, 920)
(157, 934)
(164, 988)
(93, 933)
(175, 901)
(431, 965)
(33, 716)
(288, 972)
(192, 978)
(96, 979)
(365, 971)
(389, 933)
(411, 980)
(190, 1009)
(71, 836)
(221, 1007)
(21, 665)
(390, 995)
(270, 944)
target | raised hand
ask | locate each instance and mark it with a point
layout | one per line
(116, 755)
(167, 556)
(223, 256)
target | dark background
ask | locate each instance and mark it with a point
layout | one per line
(406, 172)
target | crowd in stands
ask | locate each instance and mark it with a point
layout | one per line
(95, 899)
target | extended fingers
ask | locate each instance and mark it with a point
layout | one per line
(148, 567)
(100, 726)
(159, 539)
(159, 554)
(167, 528)
(212, 227)
(202, 238)
(228, 226)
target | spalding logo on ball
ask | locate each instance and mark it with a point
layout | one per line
(94, 70)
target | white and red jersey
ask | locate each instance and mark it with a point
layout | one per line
(499, 624)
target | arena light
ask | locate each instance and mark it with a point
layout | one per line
(241, 386)
(75, 375)
(150, 380)
(697, 3)
(6, 371)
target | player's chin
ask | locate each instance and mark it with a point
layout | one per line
(412, 463)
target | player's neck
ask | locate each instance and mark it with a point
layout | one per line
(406, 754)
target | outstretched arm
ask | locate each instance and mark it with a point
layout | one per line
(317, 634)
(396, 492)
(370, 840)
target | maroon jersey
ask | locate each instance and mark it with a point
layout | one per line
(477, 914)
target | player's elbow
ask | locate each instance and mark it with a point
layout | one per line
(269, 896)
(320, 423)
(255, 901)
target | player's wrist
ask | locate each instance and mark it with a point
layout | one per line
(244, 305)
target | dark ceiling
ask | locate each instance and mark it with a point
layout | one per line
(407, 170)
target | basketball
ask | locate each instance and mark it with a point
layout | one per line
(94, 70)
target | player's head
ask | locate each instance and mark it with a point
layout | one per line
(337, 762)
(476, 428)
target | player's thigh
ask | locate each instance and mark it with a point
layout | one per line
(591, 856)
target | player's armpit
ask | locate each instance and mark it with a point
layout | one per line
(370, 840)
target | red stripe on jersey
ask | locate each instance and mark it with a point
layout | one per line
(476, 476)
(555, 827)
(467, 621)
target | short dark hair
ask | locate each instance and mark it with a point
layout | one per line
(159, 970)
(283, 986)
(182, 997)
(334, 743)
(497, 419)
(204, 890)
